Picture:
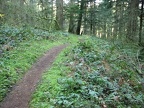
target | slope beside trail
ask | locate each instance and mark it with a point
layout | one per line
(20, 95)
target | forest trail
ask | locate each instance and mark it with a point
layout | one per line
(20, 95)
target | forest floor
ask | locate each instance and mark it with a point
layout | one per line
(20, 95)
(89, 73)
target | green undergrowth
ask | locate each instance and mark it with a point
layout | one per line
(48, 88)
(96, 74)
(16, 62)
(10, 37)
(21, 47)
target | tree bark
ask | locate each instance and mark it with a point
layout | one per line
(52, 9)
(71, 19)
(80, 18)
(141, 23)
(116, 28)
(85, 19)
(94, 23)
(59, 14)
(132, 27)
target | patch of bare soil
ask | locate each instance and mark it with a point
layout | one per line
(20, 95)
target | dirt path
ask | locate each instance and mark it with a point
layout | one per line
(20, 95)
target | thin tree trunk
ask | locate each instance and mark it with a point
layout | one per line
(141, 23)
(59, 13)
(94, 23)
(116, 21)
(22, 15)
(85, 17)
(71, 20)
(52, 10)
(80, 18)
(121, 22)
(104, 30)
(91, 17)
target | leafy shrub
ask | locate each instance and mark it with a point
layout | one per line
(10, 37)
(103, 76)
(28, 44)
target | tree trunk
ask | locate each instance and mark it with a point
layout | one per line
(71, 20)
(59, 14)
(141, 23)
(116, 28)
(22, 14)
(80, 18)
(94, 23)
(132, 26)
(85, 19)
(121, 21)
(52, 9)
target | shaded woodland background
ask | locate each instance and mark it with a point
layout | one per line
(111, 19)
(105, 59)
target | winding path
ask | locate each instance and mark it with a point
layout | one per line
(20, 95)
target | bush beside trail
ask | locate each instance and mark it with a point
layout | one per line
(99, 74)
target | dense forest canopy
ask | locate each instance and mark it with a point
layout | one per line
(105, 18)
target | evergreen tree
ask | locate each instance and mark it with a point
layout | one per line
(59, 13)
